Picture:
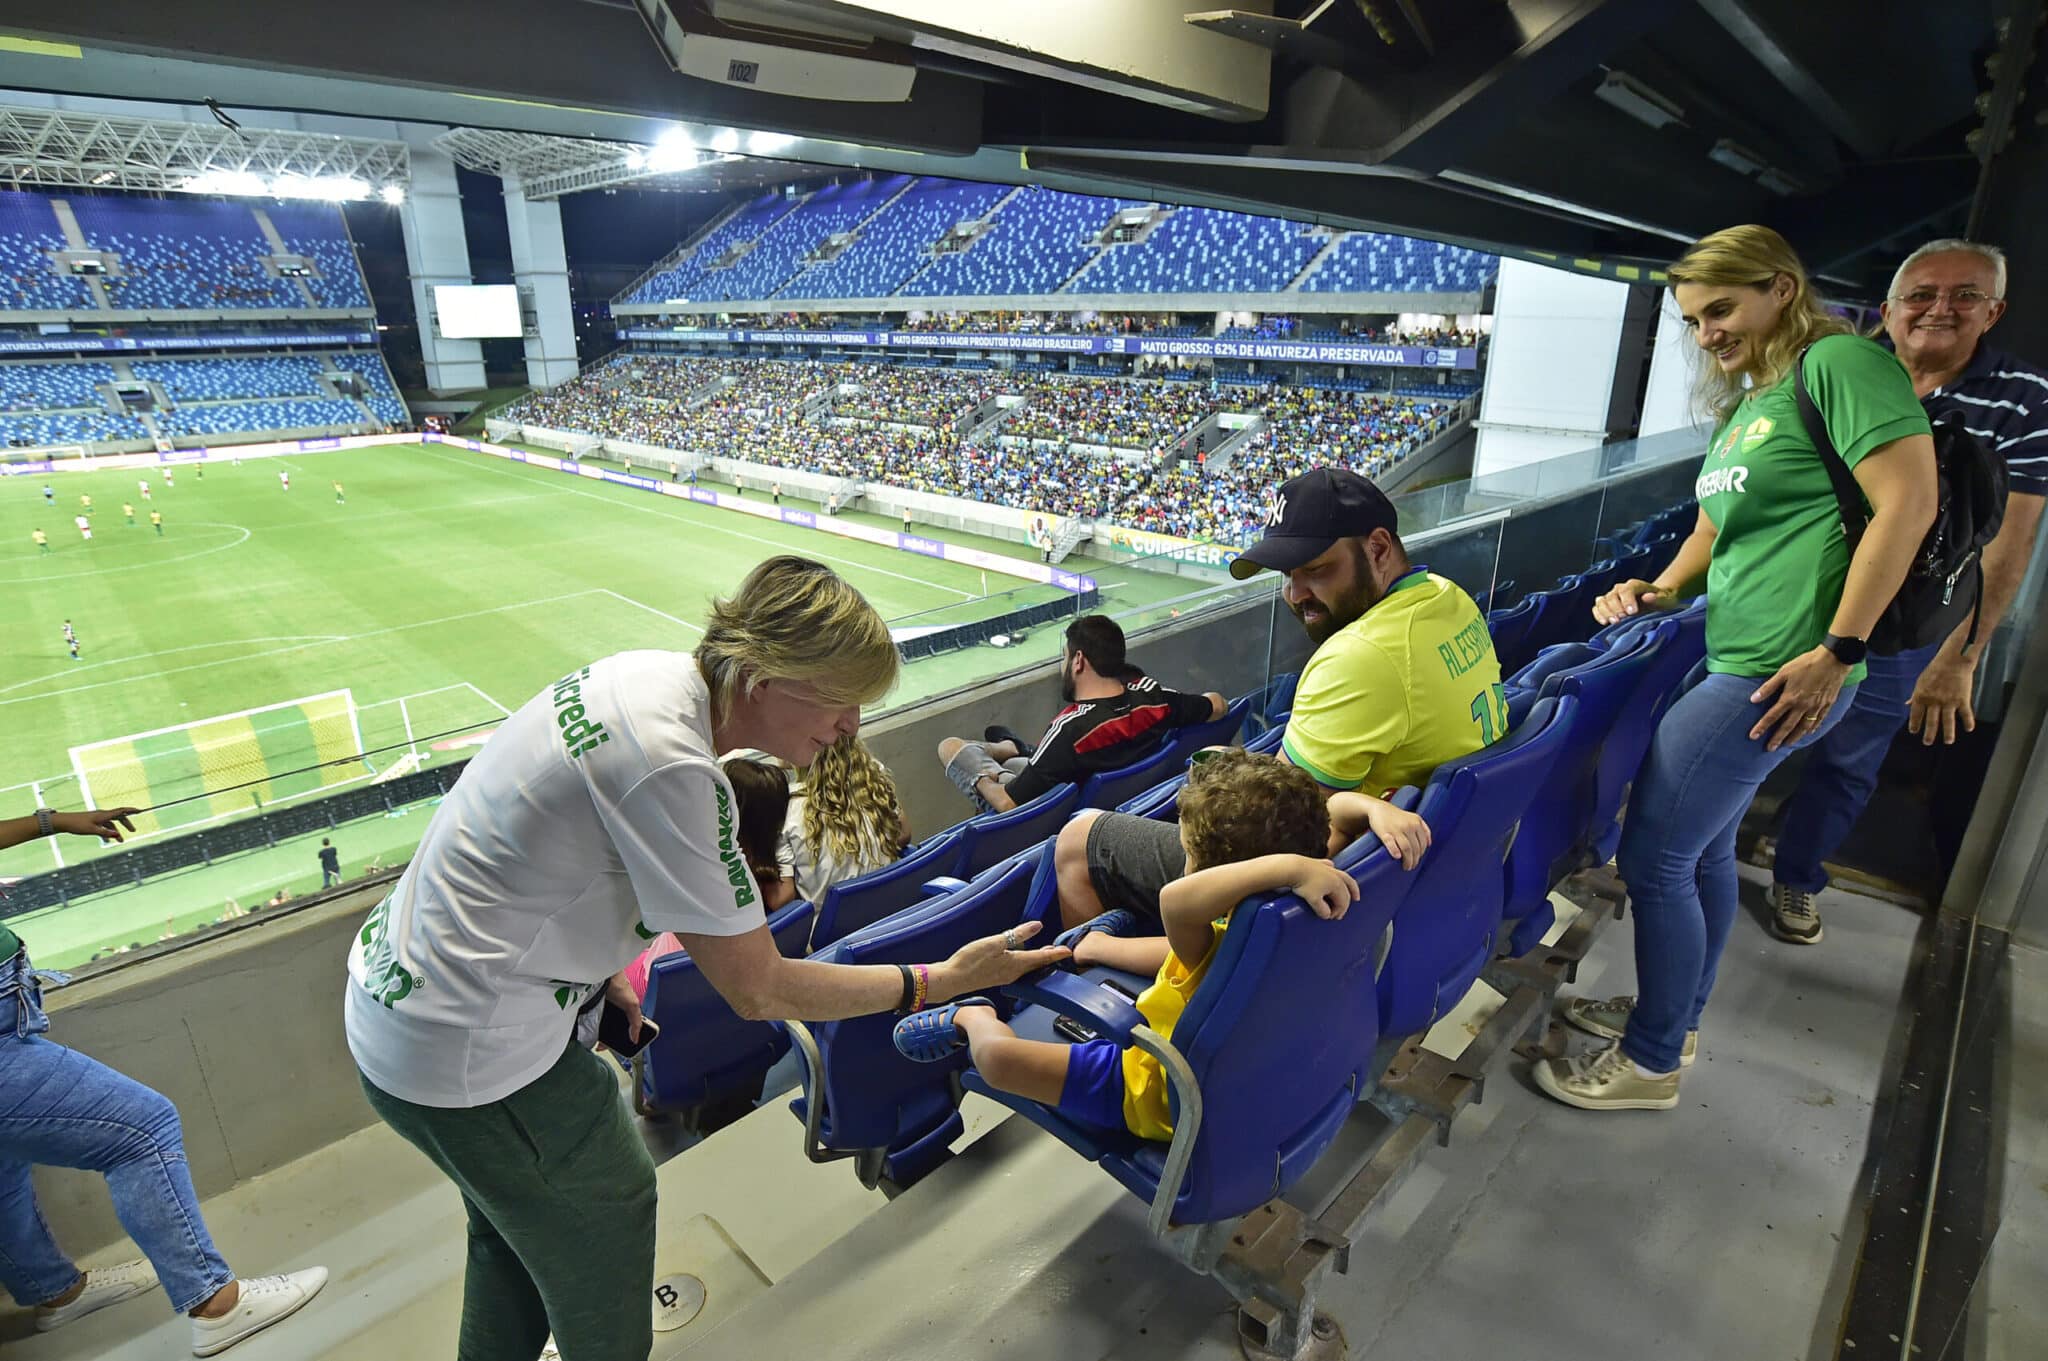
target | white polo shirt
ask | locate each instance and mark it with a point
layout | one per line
(595, 818)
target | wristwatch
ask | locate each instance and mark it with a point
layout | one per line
(1848, 651)
(46, 823)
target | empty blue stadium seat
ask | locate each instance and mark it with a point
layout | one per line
(862, 1098)
(1278, 1041)
(1109, 788)
(706, 1054)
(847, 906)
(1510, 629)
(992, 837)
(681, 279)
(778, 252)
(1217, 732)
(1446, 926)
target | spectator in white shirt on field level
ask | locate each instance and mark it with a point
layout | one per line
(595, 818)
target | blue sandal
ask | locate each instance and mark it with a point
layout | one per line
(929, 1036)
(1120, 922)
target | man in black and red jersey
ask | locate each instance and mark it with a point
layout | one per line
(1114, 714)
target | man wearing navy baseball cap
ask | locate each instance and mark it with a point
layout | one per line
(1403, 678)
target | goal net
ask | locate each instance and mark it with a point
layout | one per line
(227, 765)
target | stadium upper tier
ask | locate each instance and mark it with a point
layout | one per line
(85, 401)
(175, 254)
(898, 426)
(937, 238)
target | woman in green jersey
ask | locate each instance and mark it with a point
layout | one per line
(1789, 608)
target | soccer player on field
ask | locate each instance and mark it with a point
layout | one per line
(84, 526)
(129, 511)
(142, 485)
(168, 483)
(156, 518)
(85, 504)
(42, 540)
(49, 496)
(74, 651)
(339, 499)
(285, 480)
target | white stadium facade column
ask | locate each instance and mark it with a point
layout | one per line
(540, 265)
(1667, 401)
(1550, 372)
(437, 252)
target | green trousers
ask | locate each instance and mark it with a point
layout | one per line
(560, 1195)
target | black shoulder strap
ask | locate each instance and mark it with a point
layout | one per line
(1848, 496)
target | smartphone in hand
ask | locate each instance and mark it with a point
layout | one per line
(614, 1032)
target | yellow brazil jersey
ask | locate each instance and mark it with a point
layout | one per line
(1147, 1109)
(1410, 684)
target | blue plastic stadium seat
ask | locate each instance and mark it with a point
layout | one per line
(847, 906)
(1217, 732)
(1278, 1041)
(1510, 629)
(1269, 741)
(706, 1054)
(860, 1096)
(1111, 787)
(992, 837)
(1445, 930)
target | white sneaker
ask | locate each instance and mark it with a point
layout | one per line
(103, 1286)
(265, 1300)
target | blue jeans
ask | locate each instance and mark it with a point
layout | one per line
(62, 1109)
(1678, 852)
(1841, 770)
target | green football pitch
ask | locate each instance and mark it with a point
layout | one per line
(267, 630)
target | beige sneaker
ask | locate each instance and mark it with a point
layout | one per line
(1793, 916)
(103, 1286)
(264, 1300)
(1606, 1080)
(1609, 1018)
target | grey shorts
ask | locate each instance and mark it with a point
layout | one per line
(973, 763)
(1130, 859)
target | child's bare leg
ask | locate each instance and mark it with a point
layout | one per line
(1031, 1069)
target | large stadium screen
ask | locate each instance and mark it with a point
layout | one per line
(477, 311)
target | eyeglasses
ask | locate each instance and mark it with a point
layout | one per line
(1962, 299)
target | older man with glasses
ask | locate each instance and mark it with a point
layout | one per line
(1944, 299)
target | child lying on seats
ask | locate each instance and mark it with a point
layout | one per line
(1250, 824)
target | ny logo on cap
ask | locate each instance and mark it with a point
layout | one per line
(1278, 512)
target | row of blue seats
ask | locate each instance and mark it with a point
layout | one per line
(1297, 1017)
(1509, 824)
(715, 1055)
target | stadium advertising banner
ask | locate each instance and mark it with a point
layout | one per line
(1144, 543)
(53, 344)
(1194, 347)
(156, 458)
(910, 543)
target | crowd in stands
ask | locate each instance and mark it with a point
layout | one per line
(913, 396)
(756, 417)
(1126, 415)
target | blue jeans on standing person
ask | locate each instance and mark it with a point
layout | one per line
(1841, 770)
(62, 1109)
(1678, 851)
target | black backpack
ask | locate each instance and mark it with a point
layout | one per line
(1947, 578)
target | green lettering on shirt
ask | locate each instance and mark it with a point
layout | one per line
(579, 734)
(736, 872)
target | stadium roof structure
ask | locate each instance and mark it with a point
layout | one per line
(1600, 134)
(59, 148)
(548, 166)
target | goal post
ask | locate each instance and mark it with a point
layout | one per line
(230, 764)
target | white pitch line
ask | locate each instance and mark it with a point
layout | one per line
(138, 566)
(467, 685)
(629, 600)
(172, 651)
(338, 638)
(716, 529)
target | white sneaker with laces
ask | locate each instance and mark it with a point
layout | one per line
(103, 1286)
(264, 1300)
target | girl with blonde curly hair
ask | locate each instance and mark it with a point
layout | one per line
(844, 820)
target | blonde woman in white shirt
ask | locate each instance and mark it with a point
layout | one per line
(595, 818)
(844, 819)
